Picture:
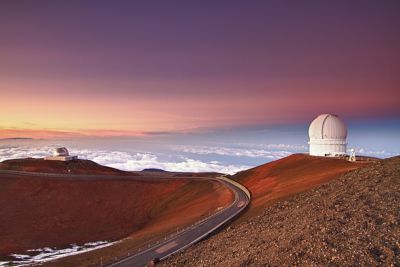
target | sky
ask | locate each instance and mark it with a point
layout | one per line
(225, 151)
(196, 85)
(133, 68)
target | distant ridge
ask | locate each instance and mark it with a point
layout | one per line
(79, 166)
(153, 170)
(17, 138)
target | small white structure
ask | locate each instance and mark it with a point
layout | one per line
(327, 136)
(352, 155)
(61, 154)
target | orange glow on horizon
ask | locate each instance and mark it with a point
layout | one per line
(51, 134)
(62, 114)
(204, 66)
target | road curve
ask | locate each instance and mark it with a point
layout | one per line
(192, 234)
(179, 241)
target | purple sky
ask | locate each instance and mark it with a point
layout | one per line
(176, 65)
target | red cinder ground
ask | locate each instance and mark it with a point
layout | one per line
(80, 166)
(285, 177)
(37, 212)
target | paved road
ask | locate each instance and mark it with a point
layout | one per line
(191, 235)
(172, 244)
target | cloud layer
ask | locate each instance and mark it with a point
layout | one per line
(180, 158)
(125, 161)
(273, 151)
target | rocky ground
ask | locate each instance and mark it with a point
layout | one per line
(349, 221)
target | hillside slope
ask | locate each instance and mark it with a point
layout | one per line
(285, 177)
(40, 211)
(79, 166)
(349, 221)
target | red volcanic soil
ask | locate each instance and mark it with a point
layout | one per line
(79, 166)
(38, 211)
(288, 176)
(181, 208)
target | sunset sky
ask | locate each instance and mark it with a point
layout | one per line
(71, 68)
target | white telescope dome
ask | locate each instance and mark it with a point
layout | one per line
(60, 152)
(327, 126)
(328, 136)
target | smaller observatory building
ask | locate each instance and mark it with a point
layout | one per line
(328, 135)
(61, 154)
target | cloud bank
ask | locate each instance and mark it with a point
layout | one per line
(238, 152)
(181, 158)
(125, 161)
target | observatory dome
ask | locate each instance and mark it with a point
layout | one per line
(61, 152)
(328, 136)
(327, 126)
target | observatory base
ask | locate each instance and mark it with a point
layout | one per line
(62, 158)
(327, 148)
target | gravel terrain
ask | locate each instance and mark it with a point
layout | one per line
(349, 221)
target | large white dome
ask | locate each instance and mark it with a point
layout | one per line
(327, 126)
(328, 136)
(61, 152)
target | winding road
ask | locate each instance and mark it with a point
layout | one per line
(192, 234)
(177, 242)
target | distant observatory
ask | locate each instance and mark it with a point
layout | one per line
(61, 154)
(328, 136)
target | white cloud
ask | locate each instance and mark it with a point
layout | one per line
(11, 152)
(299, 148)
(237, 152)
(270, 151)
(136, 161)
(373, 153)
(140, 160)
(125, 161)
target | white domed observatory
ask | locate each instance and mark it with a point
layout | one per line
(328, 136)
(61, 154)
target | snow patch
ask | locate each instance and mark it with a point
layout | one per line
(41, 255)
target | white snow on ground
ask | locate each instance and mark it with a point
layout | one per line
(41, 255)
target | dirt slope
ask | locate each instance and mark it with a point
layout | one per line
(185, 206)
(285, 177)
(40, 211)
(79, 166)
(349, 221)
(37, 212)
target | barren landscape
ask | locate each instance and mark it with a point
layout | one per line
(40, 211)
(81, 166)
(287, 176)
(350, 221)
(199, 133)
